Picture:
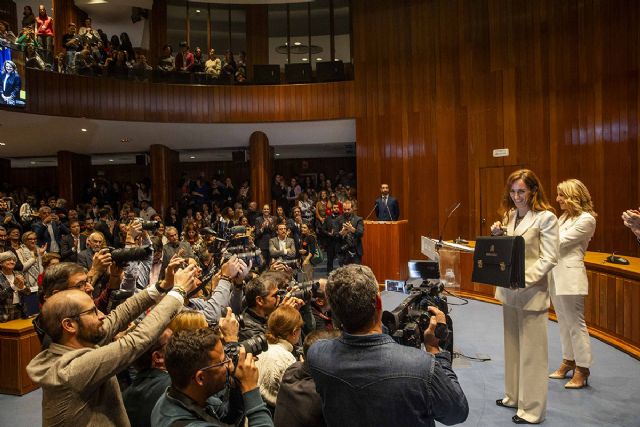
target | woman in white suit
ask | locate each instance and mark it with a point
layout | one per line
(569, 284)
(527, 214)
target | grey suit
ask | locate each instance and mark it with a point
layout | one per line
(289, 252)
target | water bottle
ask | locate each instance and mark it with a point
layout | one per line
(450, 282)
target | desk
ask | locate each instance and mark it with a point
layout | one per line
(18, 345)
(612, 308)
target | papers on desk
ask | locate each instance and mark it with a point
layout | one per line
(429, 246)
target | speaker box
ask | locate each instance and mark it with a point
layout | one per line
(330, 71)
(266, 74)
(298, 73)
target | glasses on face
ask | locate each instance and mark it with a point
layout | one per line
(226, 360)
(81, 284)
(93, 310)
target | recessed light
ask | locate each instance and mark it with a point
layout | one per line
(111, 160)
(83, 130)
(297, 44)
(304, 59)
(318, 59)
(124, 140)
(192, 157)
(33, 163)
(2, 144)
(197, 10)
(336, 59)
(277, 154)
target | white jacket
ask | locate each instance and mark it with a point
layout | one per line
(271, 366)
(570, 275)
(540, 233)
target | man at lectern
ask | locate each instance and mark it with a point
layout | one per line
(387, 208)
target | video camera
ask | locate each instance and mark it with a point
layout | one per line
(410, 319)
(305, 291)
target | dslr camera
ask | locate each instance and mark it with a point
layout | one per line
(123, 256)
(148, 225)
(305, 291)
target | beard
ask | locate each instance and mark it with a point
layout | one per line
(93, 336)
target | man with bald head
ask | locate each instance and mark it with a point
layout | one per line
(77, 377)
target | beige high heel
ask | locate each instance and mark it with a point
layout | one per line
(565, 367)
(580, 378)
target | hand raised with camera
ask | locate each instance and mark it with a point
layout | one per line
(246, 371)
(101, 260)
(245, 269)
(232, 267)
(292, 301)
(185, 278)
(134, 229)
(229, 327)
(431, 342)
(169, 273)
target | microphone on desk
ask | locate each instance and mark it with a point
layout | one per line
(388, 211)
(451, 210)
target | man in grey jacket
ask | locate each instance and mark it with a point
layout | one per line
(77, 377)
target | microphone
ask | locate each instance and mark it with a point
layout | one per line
(373, 209)
(388, 211)
(451, 210)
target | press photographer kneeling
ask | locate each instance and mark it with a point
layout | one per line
(364, 364)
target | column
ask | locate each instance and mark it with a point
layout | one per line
(261, 166)
(164, 165)
(257, 36)
(157, 30)
(73, 175)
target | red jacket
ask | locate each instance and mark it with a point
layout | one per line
(44, 27)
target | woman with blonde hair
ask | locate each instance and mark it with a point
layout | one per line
(30, 256)
(188, 321)
(569, 283)
(527, 213)
(283, 333)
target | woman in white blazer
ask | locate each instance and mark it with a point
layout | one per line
(527, 214)
(569, 282)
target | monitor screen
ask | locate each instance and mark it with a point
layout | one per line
(419, 269)
(12, 93)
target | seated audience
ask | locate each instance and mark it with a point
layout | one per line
(298, 403)
(364, 364)
(283, 333)
(78, 378)
(199, 368)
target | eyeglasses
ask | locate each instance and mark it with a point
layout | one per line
(80, 284)
(226, 360)
(93, 310)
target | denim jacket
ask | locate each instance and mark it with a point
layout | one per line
(367, 380)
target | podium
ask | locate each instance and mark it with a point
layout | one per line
(385, 247)
(18, 345)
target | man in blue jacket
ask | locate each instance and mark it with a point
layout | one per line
(365, 378)
(387, 208)
(49, 229)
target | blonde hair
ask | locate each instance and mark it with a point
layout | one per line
(282, 322)
(537, 201)
(577, 198)
(28, 234)
(188, 321)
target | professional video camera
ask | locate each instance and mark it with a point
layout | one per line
(305, 291)
(123, 256)
(408, 321)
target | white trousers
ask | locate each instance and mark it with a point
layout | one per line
(574, 335)
(526, 362)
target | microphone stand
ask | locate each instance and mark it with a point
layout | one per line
(388, 211)
(373, 209)
(452, 210)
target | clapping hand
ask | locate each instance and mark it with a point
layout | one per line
(497, 229)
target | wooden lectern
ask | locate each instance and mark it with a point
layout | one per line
(385, 247)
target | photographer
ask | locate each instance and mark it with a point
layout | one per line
(77, 376)
(199, 368)
(364, 364)
(351, 231)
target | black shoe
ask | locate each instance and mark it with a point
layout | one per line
(499, 402)
(516, 419)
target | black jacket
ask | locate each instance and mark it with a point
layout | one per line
(253, 325)
(298, 402)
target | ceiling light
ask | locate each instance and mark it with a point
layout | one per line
(83, 130)
(111, 160)
(33, 163)
(304, 59)
(277, 154)
(297, 44)
(124, 140)
(197, 10)
(336, 59)
(318, 59)
(2, 144)
(192, 157)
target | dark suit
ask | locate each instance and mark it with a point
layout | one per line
(68, 251)
(103, 227)
(42, 232)
(389, 211)
(12, 88)
(263, 235)
(85, 258)
(354, 254)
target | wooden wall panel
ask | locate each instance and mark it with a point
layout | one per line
(112, 99)
(440, 84)
(45, 179)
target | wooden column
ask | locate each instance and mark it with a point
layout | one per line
(5, 171)
(257, 36)
(73, 175)
(164, 164)
(158, 30)
(261, 166)
(64, 12)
